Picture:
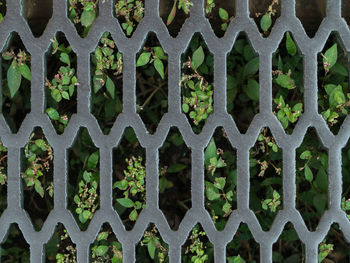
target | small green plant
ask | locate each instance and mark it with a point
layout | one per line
(157, 250)
(129, 13)
(267, 18)
(197, 250)
(62, 86)
(83, 13)
(324, 250)
(184, 5)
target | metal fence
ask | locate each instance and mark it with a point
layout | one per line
(37, 47)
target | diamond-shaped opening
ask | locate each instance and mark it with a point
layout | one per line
(36, 18)
(129, 14)
(242, 83)
(2, 9)
(37, 177)
(311, 179)
(265, 178)
(288, 248)
(345, 204)
(152, 82)
(334, 248)
(14, 248)
(60, 247)
(243, 247)
(197, 246)
(288, 88)
(333, 83)
(265, 14)
(61, 82)
(106, 247)
(220, 164)
(84, 178)
(197, 82)
(107, 82)
(3, 178)
(82, 14)
(174, 178)
(311, 14)
(174, 14)
(220, 15)
(16, 76)
(152, 248)
(346, 11)
(129, 178)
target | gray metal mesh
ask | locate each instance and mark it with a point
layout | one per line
(37, 47)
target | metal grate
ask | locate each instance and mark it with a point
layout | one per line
(14, 21)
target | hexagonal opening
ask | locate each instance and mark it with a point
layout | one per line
(129, 178)
(197, 83)
(288, 247)
(34, 15)
(37, 177)
(265, 14)
(14, 248)
(220, 162)
(61, 82)
(174, 14)
(197, 246)
(106, 247)
(152, 248)
(107, 82)
(174, 178)
(243, 246)
(265, 179)
(333, 83)
(152, 83)
(129, 14)
(334, 247)
(311, 13)
(60, 247)
(311, 179)
(242, 83)
(84, 178)
(16, 82)
(82, 14)
(288, 83)
(3, 178)
(220, 14)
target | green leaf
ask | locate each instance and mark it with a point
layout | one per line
(143, 59)
(151, 248)
(126, 202)
(38, 188)
(53, 114)
(226, 208)
(133, 215)
(172, 14)
(210, 152)
(101, 250)
(87, 176)
(110, 87)
(185, 107)
(175, 168)
(305, 155)
(337, 96)
(14, 78)
(223, 14)
(93, 160)
(25, 71)
(197, 58)
(252, 89)
(308, 174)
(86, 214)
(88, 17)
(251, 67)
(285, 81)
(64, 57)
(290, 45)
(330, 57)
(158, 65)
(211, 192)
(220, 182)
(65, 95)
(265, 22)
